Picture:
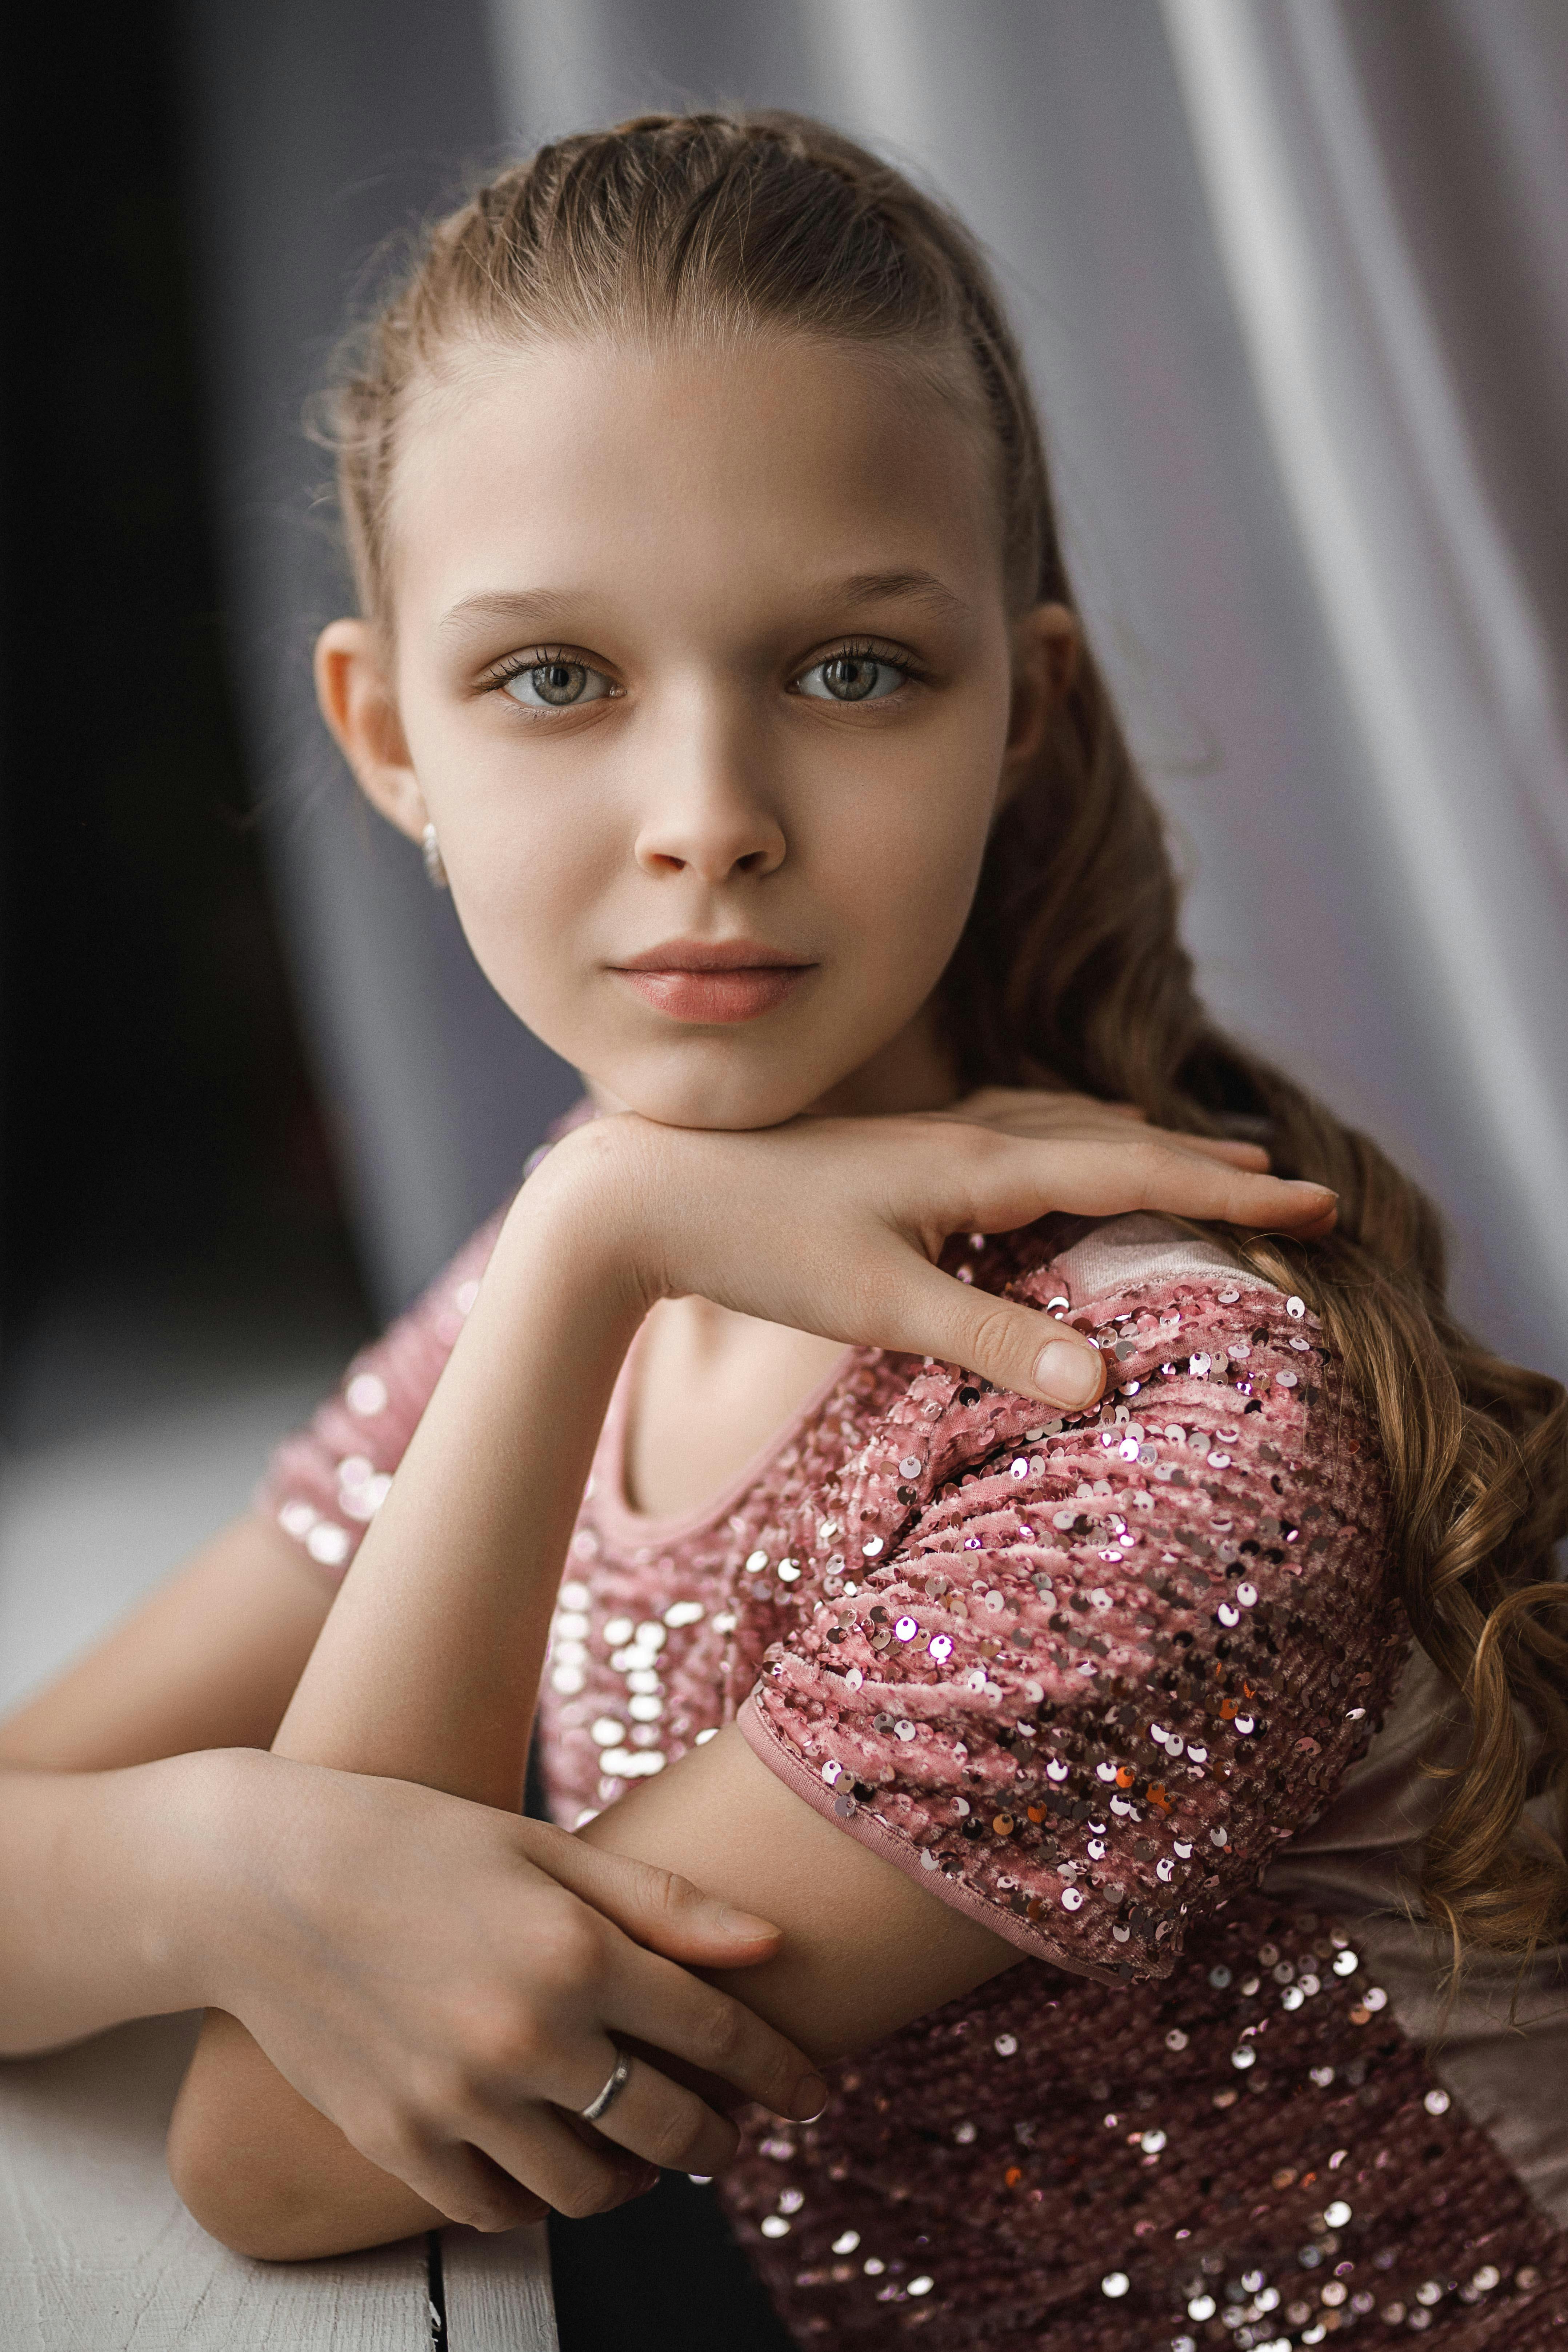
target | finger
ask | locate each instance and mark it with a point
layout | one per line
(1017, 1181)
(456, 2179)
(1218, 1146)
(668, 2124)
(922, 1310)
(572, 2168)
(657, 1908)
(651, 2001)
(1017, 1349)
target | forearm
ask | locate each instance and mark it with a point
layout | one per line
(865, 1950)
(428, 1665)
(101, 1895)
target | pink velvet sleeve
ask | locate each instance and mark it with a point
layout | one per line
(1081, 1677)
(325, 1483)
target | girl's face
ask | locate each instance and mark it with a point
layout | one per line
(705, 676)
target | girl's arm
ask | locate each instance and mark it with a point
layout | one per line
(429, 1666)
(146, 1840)
(1096, 1673)
(105, 1805)
(865, 1949)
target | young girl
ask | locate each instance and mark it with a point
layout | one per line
(1046, 1613)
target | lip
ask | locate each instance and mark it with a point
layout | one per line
(714, 955)
(713, 981)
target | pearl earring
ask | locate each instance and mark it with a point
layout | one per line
(434, 865)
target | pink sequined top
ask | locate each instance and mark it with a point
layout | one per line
(1110, 1683)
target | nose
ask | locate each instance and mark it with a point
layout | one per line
(705, 813)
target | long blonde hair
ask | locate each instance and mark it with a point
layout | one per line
(1071, 969)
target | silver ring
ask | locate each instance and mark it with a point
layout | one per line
(619, 2074)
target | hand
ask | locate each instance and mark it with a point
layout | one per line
(833, 1225)
(442, 1980)
(1051, 1116)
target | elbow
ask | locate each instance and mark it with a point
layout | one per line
(265, 2173)
(246, 2195)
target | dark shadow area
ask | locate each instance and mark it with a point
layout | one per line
(662, 2273)
(164, 1164)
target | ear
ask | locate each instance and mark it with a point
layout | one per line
(359, 705)
(1045, 656)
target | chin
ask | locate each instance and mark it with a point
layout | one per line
(699, 1091)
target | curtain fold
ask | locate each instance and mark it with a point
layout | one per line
(1444, 660)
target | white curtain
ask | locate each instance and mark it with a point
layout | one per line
(1291, 275)
(1444, 659)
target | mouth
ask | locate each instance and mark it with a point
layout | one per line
(708, 981)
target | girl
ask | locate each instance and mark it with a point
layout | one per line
(1049, 1616)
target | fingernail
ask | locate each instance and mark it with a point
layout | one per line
(1066, 1373)
(808, 2100)
(1300, 1184)
(745, 1924)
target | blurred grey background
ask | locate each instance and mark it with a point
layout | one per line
(1293, 280)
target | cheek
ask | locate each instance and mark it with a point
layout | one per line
(521, 898)
(906, 858)
(525, 870)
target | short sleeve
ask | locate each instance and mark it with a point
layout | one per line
(325, 1483)
(1083, 1676)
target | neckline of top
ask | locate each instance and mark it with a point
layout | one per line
(617, 1512)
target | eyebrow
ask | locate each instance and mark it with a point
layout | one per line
(537, 608)
(908, 587)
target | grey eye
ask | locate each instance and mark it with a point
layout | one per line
(558, 685)
(852, 677)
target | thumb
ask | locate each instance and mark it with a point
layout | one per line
(657, 1909)
(1021, 1348)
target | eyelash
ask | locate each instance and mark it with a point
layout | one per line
(870, 649)
(847, 649)
(539, 657)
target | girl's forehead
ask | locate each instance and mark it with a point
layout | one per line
(715, 453)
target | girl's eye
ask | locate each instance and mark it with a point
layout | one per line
(853, 678)
(557, 686)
